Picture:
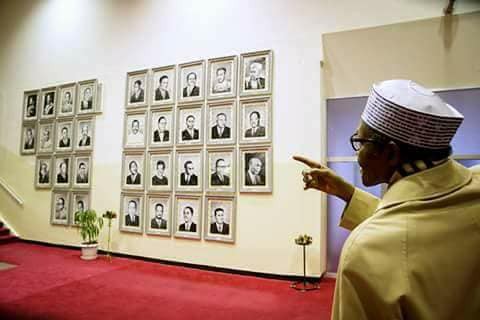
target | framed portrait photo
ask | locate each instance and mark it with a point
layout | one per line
(62, 172)
(80, 202)
(30, 105)
(163, 86)
(67, 95)
(136, 93)
(189, 170)
(160, 171)
(256, 73)
(188, 216)
(88, 101)
(60, 207)
(28, 144)
(222, 78)
(84, 134)
(189, 125)
(43, 173)
(133, 171)
(256, 170)
(45, 137)
(255, 121)
(82, 172)
(159, 213)
(191, 81)
(135, 130)
(162, 132)
(221, 123)
(220, 170)
(131, 216)
(49, 103)
(64, 136)
(220, 218)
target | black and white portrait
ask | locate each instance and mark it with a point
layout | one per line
(163, 85)
(30, 100)
(255, 121)
(82, 172)
(189, 170)
(84, 134)
(43, 173)
(48, 103)
(189, 125)
(136, 88)
(188, 216)
(133, 174)
(60, 206)
(222, 76)
(160, 169)
(256, 73)
(159, 215)
(161, 132)
(135, 129)
(80, 203)
(221, 123)
(87, 94)
(67, 95)
(191, 81)
(64, 141)
(45, 137)
(220, 170)
(131, 217)
(220, 218)
(62, 172)
(28, 144)
(256, 170)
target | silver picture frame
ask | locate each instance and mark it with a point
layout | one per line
(191, 82)
(221, 124)
(162, 128)
(60, 207)
(256, 73)
(222, 77)
(62, 175)
(220, 218)
(81, 200)
(67, 98)
(131, 216)
(188, 115)
(220, 170)
(31, 105)
(159, 215)
(255, 125)
(88, 97)
(43, 172)
(48, 104)
(84, 134)
(135, 129)
(163, 86)
(160, 171)
(133, 179)
(136, 91)
(64, 136)
(82, 171)
(256, 175)
(28, 142)
(46, 137)
(189, 170)
(184, 205)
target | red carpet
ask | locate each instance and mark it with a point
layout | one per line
(53, 283)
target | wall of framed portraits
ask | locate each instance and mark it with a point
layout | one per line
(57, 42)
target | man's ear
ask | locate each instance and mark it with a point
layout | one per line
(394, 156)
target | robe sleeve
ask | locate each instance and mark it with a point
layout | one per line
(361, 206)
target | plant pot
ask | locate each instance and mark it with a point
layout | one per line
(89, 251)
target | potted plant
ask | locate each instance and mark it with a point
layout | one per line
(90, 226)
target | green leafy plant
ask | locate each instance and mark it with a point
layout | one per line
(90, 225)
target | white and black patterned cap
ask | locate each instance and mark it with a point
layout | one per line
(407, 112)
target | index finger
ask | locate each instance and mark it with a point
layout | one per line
(308, 162)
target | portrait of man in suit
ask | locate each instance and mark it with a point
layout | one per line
(44, 173)
(220, 129)
(82, 175)
(219, 177)
(135, 135)
(221, 84)
(65, 139)
(132, 218)
(188, 225)
(31, 109)
(161, 134)
(49, 106)
(67, 103)
(62, 175)
(190, 132)
(138, 94)
(159, 179)
(161, 92)
(60, 209)
(219, 226)
(188, 178)
(134, 177)
(85, 138)
(254, 175)
(191, 89)
(45, 140)
(29, 143)
(158, 222)
(256, 129)
(87, 100)
(80, 208)
(255, 79)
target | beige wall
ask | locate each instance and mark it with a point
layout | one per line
(52, 42)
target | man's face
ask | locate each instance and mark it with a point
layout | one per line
(164, 83)
(221, 119)
(160, 170)
(43, 168)
(190, 122)
(220, 216)
(59, 204)
(135, 127)
(80, 206)
(64, 133)
(133, 168)
(221, 167)
(132, 208)
(220, 75)
(29, 134)
(30, 100)
(85, 131)
(162, 124)
(87, 94)
(46, 135)
(136, 86)
(192, 79)
(255, 69)
(255, 166)
(187, 215)
(63, 168)
(67, 96)
(159, 212)
(254, 120)
(189, 168)
(48, 97)
(82, 170)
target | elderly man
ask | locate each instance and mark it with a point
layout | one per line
(414, 253)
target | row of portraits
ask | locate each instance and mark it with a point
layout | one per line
(188, 125)
(190, 81)
(66, 203)
(62, 101)
(63, 171)
(186, 171)
(58, 136)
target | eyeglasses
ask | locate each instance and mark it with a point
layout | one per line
(357, 142)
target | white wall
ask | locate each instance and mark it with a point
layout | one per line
(57, 41)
